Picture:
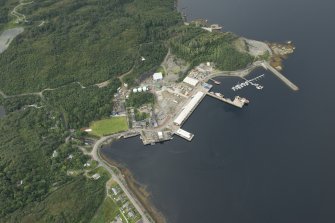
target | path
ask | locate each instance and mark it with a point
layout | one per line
(165, 60)
(20, 17)
(40, 93)
(238, 73)
(243, 73)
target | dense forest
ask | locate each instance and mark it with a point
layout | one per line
(196, 46)
(86, 41)
(28, 170)
(79, 106)
(136, 100)
(89, 41)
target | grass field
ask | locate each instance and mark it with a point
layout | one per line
(107, 212)
(109, 126)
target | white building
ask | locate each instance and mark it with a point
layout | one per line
(158, 76)
(54, 154)
(191, 81)
(96, 176)
(189, 108)
(160, 135)
(114, 191)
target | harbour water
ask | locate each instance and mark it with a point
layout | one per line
(272, 161)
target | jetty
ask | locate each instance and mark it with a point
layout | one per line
(189, 108)
(237, 102)
(267, 66)
(247, 82)
(151, 137)
(184, 134)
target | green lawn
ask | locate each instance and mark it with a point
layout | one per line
(107, 212)
(109, 126)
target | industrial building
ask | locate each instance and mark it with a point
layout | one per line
(191, 81)
(188, 109)
(157, 76)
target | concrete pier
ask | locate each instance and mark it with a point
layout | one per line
(267, 66)
(131, 134)
(151, 137)
(184, 134)
(189, 108)
(237, 102)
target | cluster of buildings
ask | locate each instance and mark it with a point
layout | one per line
(127, 209)
(140, 89)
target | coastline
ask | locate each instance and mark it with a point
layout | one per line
(139, 190)
(257, 49)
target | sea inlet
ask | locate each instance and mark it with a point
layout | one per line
(272, 161)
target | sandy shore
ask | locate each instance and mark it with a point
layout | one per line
(138, 190)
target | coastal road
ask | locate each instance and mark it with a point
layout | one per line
(238, 73)
(95, 156)
(243, 73)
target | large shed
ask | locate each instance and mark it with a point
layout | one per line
(191, 81)
(157, 76)
(186, 112)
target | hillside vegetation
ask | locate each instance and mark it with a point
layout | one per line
(86, 41)
(196, 46)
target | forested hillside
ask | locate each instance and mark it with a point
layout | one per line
(196, 46)
(84, 40)
(28, 170)
(66, 42)
(89, 41)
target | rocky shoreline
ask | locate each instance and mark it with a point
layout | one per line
(280, 52)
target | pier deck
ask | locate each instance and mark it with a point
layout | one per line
(235, 102)
(184, 134)
(189, 108)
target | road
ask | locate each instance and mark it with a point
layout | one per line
(243, 73)
(20, 17)
(95, 155)
(237, 73)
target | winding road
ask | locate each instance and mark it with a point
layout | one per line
(20, 17)
(95, 155)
